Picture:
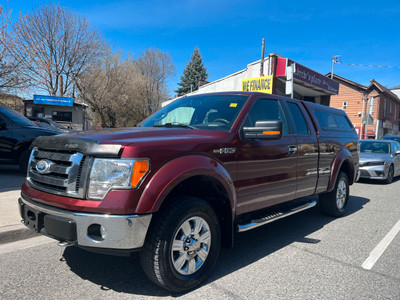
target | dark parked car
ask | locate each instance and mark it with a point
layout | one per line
(16, 135)
(392, 137)
(379, 159)
(48, 124)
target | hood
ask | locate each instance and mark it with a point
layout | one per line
(372, 157)
(126, 136)
(39, 130)
(108, 142)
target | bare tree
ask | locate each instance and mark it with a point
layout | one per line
(122, 91)
(11, 77)
(109, 87)
(56, 45)
(156, 67)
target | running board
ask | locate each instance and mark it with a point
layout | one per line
(271, 217)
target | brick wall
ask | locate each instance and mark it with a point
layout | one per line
(354, 99)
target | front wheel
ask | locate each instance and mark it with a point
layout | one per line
(389, 178)
(182, 246)
(334, 203)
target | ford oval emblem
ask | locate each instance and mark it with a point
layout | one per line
(43, 166)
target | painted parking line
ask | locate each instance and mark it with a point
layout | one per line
(381, 247)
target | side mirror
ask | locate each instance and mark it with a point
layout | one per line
(397, 152)
(264, 130)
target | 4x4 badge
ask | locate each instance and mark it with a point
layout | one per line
(225, 151)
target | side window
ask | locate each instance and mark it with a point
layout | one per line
(326, 119)
(3, 122)
(342, 122)
(299, 122)
(266, 110)
(396, 147)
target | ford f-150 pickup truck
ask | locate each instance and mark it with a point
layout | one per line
(188, 178)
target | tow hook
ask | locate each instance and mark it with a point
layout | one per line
(64, 244)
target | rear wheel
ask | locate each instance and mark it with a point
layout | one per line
(334, 203)
(182, 245)
(389, 178)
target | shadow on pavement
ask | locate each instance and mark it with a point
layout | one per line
(375, 181)
(125, 274)
(11, 178)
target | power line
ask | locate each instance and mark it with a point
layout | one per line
(361, 65)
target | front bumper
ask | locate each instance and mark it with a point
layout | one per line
(375, 172)
(357, 176)
(119, 232)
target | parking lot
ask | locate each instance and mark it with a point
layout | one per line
(305, 256)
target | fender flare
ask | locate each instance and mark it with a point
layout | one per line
(342, 156)
(178, 170)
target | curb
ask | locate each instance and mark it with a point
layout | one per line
(14, 233)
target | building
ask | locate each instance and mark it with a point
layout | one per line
(273, 77)
(374, 109)
(63, 110)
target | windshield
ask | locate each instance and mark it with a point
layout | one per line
(17, 118)
(394, 138)
(375, 147)
(209, 112)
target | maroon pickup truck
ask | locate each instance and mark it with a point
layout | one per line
(185, 180)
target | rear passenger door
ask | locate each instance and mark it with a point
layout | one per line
(307, 149)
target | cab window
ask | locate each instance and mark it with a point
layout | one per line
(299, 121)
(266, 110)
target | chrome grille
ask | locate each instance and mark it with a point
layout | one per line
(65, 175)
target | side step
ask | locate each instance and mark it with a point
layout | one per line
(273, 216)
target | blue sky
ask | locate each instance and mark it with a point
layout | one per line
(229, 33)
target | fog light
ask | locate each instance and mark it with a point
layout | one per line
(96, 232)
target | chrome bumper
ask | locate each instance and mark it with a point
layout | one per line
(123, 232)
(358, 174)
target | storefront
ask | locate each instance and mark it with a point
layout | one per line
(63, 110)
(279, 76)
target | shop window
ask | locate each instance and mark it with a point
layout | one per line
(344, 105)
(64, 116)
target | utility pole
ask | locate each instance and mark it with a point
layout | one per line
(336, 59)
(262, 58)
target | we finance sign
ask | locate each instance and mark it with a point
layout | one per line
(258, 84)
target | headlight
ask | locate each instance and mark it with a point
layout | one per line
(107, 174)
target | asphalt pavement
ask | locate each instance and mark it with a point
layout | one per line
(305, 256)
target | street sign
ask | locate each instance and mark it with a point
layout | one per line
(53, 100)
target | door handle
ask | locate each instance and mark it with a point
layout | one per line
(292, 150)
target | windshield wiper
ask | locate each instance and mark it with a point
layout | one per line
(175, 124)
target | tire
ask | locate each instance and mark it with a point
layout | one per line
(334, 203)
(389, 178)
(172, 256)
(23, 160)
